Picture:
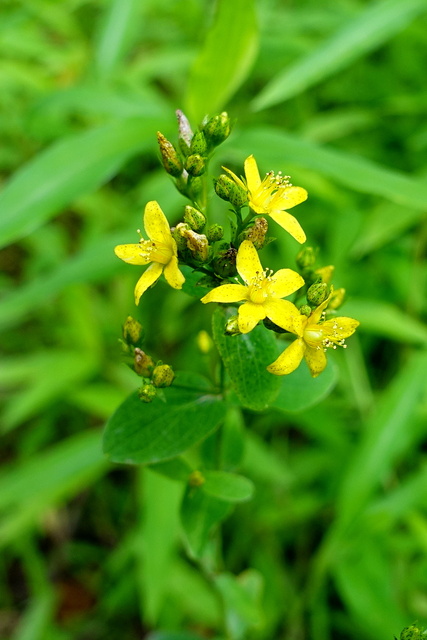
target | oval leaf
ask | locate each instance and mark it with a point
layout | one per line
(144, 433)
(227, 486)
(246, 357)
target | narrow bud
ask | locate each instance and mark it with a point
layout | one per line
(317, 293)
(337, 298)
(170, 158)
(215, 233)
(185, 135)
(225, 263)
(198, 144)
(204, 341)
(178, 234)
(325, 273)
(147, 392)
(163, 376)
(217, 129)
(196, 479)
(306, 258)
(195, 165)
(194, 218)
(132, 331)
(232, 326)
(256, 233)
(143, 364)
(222, 186)
(238, 197)
(198, 245)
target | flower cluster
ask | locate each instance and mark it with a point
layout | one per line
(232, 268)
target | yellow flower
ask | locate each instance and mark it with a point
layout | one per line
(315, 335)
(160, 250)
(271, 196)
(261, 293)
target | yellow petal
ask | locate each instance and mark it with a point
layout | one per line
(132, 253)
(249, 316)
(289, 224)
(284, 282)
(288, 197)
(283, 313)
(317, 313)
(289, 360)
(156, 224)
(148, 278)
(316, 360)
(247, 262)
(173, 275)
(253, 179)
(339, 328)
(236, 179)
(226, 293)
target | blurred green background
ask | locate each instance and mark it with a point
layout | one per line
(332, 93)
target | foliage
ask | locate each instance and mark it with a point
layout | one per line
(321, 503)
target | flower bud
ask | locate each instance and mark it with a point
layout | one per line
(232, 326)
(194, 218)
(198, 144)
(325, 273)
(336, 299)
(198, 245)
(178, 234)
(317, 293)
(143, 364)
(196, 479)
(163, 376)
(306, 258)
(411, 633)
(195, 165)
(305, 309)
(132, 331)
(147, 392)
(170, 158)
(195, 186)
(225, 263)
(222, 186)
(217, 129)
(185, 134)
(256, 233)
(215, 233)
(204, 341)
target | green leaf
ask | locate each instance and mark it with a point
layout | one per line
(176, 469)
(227, 486)
(233, 439)
(225, 59)
(245, 358)
(172, 635)
(66, 170)
(241, 597)
(146, 433)
(115, 35)
(299, 390)
(200, 513)
(274, 148)
(374, 26)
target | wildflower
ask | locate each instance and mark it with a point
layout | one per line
(271, 196)
(315, 336)
(160, 250)
(262, 292)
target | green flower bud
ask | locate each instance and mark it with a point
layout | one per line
(306, 258)
(195, 165)
(198, 245)
(185, 135)
(163, 376)
(222, 186)
(217, 129)
(411, 633)
(232, 326)
(196, 479)
(132, 331)
(195, 186)
(178, 234)
(147, 392)
(317, 293)
(305, 309)
(256, 233)
(238, 196)
(225, 263)
(215, 233)
(337, 298)
(198, 144)
(194, 218)
(170, 158)
(143, 364)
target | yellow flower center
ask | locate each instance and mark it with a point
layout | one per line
(155, 251)
(326, 337)
(259, 288)
(271, 186)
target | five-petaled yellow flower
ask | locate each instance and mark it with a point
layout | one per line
(160, 250)
(261, 293)
(271, 196)
(315, 335)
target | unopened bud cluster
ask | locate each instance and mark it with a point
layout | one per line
(317, 280)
